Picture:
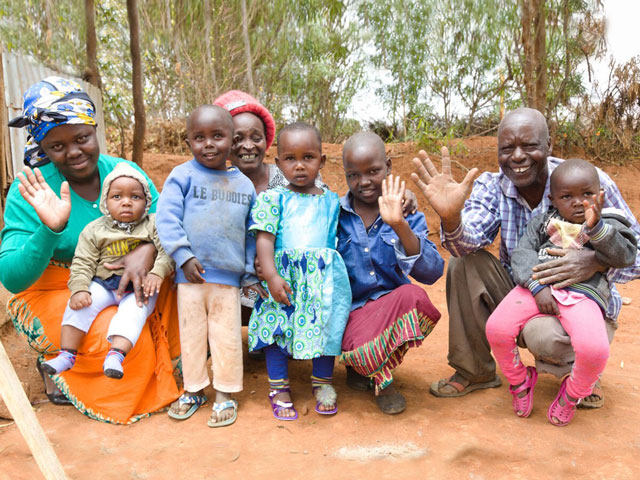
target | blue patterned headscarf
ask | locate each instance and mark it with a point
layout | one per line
(50, 103)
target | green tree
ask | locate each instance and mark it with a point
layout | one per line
(556, 36)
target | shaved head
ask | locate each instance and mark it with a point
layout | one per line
(366, 165)
(527, 115)
(210, 111)
(364, 141)
(574, 167)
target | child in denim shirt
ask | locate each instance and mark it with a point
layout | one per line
(381, 248)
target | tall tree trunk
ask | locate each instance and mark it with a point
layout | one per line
(92, 74)
(247, 48)
(217, 46)
(138, 100)
(533, 40)
(176, 32)
(540, 55)
(210, 61)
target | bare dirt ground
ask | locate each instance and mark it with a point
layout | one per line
(475, 437)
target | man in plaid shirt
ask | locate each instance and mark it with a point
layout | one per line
(477, 281)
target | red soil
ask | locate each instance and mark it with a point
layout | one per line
(476, 436)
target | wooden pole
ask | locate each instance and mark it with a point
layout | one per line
(22, 413)
(5, 152)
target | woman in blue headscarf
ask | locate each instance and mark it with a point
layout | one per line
(47, 207)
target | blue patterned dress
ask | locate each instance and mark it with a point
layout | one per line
(305, 227)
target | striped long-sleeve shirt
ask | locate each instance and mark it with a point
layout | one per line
(495, 206)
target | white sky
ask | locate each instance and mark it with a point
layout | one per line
(623, 34)
(623, 42)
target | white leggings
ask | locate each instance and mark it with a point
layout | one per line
(127, 323)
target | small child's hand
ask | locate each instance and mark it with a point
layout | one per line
(546, 303)
(593, 210)
(258, 288)
(390, 202)
(79, 300)
(409, 203)
(151, 286)
(192, 269)
(279, 289)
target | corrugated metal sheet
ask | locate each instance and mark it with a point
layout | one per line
(20, 72)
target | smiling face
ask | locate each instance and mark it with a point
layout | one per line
(250, 143)
(126, 201)
(523, 147)
(74, 150)
(300, 158)
(210, 136)
(365, 166)
(570, 187)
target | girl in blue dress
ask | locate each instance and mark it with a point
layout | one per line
(305, 313)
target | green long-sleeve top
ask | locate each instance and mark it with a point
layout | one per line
(28, 246)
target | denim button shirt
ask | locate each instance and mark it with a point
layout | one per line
(376, 260)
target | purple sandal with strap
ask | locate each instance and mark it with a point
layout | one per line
(562, 413)
(523, 405)
(278, 405)
(326, 396)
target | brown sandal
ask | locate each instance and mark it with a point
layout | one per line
(459, 389)
(592, 404)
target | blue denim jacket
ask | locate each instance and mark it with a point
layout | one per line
(376, 260)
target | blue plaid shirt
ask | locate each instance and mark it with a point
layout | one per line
(495, 206)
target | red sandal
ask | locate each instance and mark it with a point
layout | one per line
(523, 405)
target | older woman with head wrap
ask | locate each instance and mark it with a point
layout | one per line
(254, 132)
(46, 210)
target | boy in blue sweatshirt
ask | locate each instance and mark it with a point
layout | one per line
(201, 220)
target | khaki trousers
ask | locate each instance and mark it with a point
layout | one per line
(210, 311)
(476, 284)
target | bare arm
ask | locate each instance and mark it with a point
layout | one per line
(278, 288)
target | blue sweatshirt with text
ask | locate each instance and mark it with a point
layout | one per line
(204, 213)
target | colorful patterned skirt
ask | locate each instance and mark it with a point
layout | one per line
(148, 384)
(379, 334)
(313, 325)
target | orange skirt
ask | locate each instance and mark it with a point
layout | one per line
(148, 384)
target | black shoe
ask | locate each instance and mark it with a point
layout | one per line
(57, 398)
(357, 381)
(391, 404)
(111, 373)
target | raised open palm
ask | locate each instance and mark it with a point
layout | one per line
(592, 211)
(52, 210)
(445, 195)
(390, 202)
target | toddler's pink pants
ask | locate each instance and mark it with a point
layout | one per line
(583, 322)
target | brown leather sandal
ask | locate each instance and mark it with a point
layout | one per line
(460, 389)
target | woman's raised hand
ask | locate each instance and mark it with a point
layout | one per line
(52, 211)
(390, 202)
(445, 195)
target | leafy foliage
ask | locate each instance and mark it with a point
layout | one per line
(442, 68)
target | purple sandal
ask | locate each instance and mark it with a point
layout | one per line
(277, 405)
(326, 396)
(563, 413)
(523, 405)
